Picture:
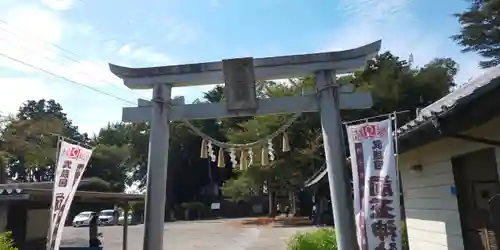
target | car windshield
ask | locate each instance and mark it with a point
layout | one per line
(84, 214)
(106, 213)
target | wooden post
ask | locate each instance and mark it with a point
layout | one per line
(125, 226)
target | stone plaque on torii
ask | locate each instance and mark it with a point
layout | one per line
(239, 76)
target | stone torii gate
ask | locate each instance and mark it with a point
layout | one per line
(239, 76)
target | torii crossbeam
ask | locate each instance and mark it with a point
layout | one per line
(239, 76)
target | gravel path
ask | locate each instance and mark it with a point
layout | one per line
(207, 235)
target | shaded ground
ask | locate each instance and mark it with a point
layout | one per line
(223, 234)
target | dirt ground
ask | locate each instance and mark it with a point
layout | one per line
(222, 234)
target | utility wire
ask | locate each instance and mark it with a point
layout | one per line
(64, 55)
(191, 126)
(60, 48)
(66, 79)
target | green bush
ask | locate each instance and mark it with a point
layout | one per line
(404, 238)
(325, 239)
(6, 242)
(320, 239)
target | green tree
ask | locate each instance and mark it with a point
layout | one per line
(35, 110)
(110, 163)
(286, 173)
(192, 173)
(395, 86)
(128, 144)
(30, 142)
(6, 241)
(241, 188)
(479, 30)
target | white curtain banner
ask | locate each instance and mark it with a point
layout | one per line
(376, 186)
(71, 164)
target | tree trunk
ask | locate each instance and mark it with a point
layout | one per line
(272, 203)
(293, 203)
(3, 172)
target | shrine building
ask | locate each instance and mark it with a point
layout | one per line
(449, 160)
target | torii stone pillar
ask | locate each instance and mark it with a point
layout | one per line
(239, 76)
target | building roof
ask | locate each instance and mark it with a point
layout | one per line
(36, 185)
(321, 173)
(43, 190)
(90, 196)
(460, 96)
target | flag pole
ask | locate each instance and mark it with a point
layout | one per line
(398, 173)
(367, 119)
(60, 139)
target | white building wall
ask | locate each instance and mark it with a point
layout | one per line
(433, 222)
(432, 216)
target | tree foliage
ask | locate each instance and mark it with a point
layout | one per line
(240, 189)
(28, 145)
(479, 31)
(6, 241)
(395, 86)
(29, 139)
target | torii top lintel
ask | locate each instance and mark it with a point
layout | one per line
(267, 68)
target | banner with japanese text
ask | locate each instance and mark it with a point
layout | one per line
(375, 185)
(71, 164)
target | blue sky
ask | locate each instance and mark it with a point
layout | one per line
(76, 39)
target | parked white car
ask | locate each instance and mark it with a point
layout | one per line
(121, 219)
(107, 217)
(83, 218)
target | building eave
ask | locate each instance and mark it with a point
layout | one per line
(466, 98)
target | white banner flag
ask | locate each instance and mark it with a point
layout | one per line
(376, 186)
(71, 164)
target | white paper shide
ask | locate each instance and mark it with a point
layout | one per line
(376, 186)
(71, 164)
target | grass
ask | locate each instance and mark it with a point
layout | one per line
(324, 238)
(320, 239)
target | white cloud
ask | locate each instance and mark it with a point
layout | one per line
(83, 29)
(25, 37)
(110, 46)
(143, 54)
(59, 4)
(89, 73)
(125, 49)
(16, 90)
(34, 38)
(29, 36)
(393, 22)
(34, 41)
(181, 34)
